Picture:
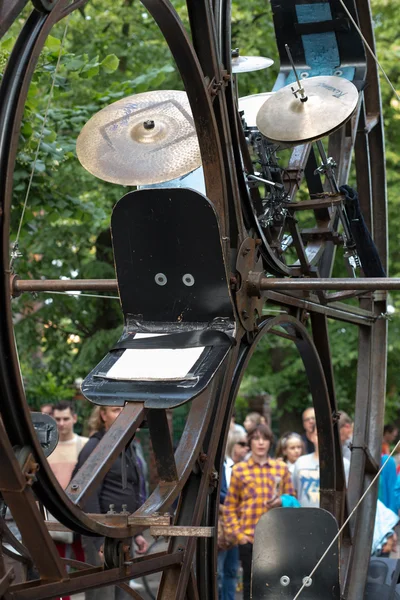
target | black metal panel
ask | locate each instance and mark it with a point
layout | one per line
(168, 257)
(156, 393)
(46, 431)
(382, 579)
(288, 544)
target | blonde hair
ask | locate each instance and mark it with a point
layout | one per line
(233, 438)
(255, 417)
(283, 442)
(95, 422)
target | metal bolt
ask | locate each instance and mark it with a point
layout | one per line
(160, 279)
(307, 581)
(285, 580)
(149, 124)
(74, 486)
(188, 279)
(245, 251)
(245, 314)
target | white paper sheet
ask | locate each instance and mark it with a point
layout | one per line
(154, 364)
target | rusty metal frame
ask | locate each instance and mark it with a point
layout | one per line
(192, 472)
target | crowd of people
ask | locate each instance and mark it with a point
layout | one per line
(258, 476)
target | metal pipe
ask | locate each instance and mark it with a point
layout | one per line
(256, 282)
(343, 283)
(62, 285)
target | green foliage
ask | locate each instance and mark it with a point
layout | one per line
(44, 387)
(110, 53)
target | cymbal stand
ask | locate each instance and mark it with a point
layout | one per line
(327, 168)
(300, 90)
(234, 54)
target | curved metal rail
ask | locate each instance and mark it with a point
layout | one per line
(204, 64)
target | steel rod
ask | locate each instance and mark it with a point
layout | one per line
(20, 286)
(345, 283)
(265, 283)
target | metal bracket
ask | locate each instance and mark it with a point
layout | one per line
(249, 305)
(182, 531)
(371, 466)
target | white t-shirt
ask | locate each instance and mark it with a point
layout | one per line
(64, 458)
(228, 464)
(305, 479)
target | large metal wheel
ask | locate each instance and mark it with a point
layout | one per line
(192, 473)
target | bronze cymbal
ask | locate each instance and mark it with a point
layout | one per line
(250, 105)
(143, 139)
(246, 64)
(285, 119)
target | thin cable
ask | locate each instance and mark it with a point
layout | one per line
(15, 245)
(78, 295)
(370, 49)
(346, 521)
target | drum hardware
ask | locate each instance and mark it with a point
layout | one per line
(256, 178)
(327, 168)
(143, 139)
(300, 91)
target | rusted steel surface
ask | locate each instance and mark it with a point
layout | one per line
(19, 286)
(97, 577)
(16, 490)
(192, 472)
(181, 531)
(371, 283)
(105, 453)
(9, 11)
(162, 445)
(262, 283)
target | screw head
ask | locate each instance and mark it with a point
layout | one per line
(149, 124)
(74, 486)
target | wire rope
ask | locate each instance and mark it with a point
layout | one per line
(306, 579)
(370, 50)
(46, 114)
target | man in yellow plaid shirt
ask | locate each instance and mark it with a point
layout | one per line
(256, 486)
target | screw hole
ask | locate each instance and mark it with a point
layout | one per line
(160, 279)
(188, 279)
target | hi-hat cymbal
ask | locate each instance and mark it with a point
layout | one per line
(250, 105)
(246, 64)
(141, 140)
(285, 119)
